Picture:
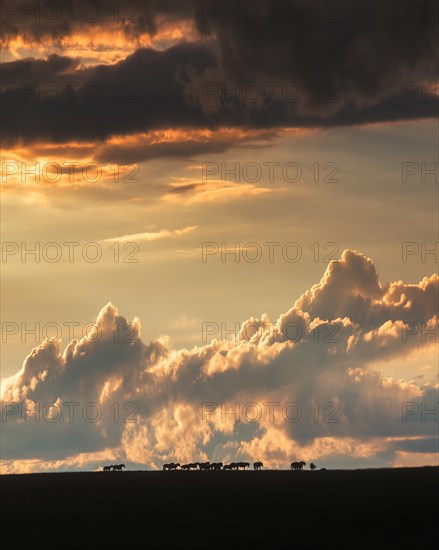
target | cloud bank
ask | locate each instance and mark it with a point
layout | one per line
(306, 386)
(267, 68)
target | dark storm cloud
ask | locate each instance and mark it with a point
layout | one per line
(137, 94)
(362, 62)
(41, 19)
(363, 46)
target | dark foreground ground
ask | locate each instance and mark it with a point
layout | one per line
(265, 509)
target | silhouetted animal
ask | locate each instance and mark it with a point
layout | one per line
(171, 466)
(216, 466)
(258, 465)
(186, 467)
(204, 465)
(297, 465)
(107, 468)
(118, 467)
(227, 467)
(312, 466)
(243, 465)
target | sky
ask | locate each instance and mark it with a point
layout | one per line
(220, 233)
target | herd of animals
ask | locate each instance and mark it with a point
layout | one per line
(114, 467)
(213, 466)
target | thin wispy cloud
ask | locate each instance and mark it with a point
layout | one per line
(154, 236)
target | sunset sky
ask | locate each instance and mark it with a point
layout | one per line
(143, 143)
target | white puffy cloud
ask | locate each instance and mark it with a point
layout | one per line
(304, 386)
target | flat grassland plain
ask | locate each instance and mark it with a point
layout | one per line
(393, 508)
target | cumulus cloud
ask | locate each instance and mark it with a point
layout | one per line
(351, 288)
(303, 386)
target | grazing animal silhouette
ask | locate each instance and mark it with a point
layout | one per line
(216, 466)
(258, 465)
(204, 465)
(244, 465)
(171, 466)
(227, 467)
(312, 466)
(118, 467)
(190, 466)
(297, 465)
(107, 468)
